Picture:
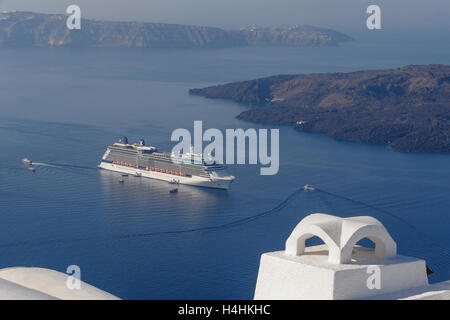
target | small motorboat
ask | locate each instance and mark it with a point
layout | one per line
(174, 181)
(27, 161)
(125, 175)
(138, 174)
(31, 169)
(307, 187)
(174, 190)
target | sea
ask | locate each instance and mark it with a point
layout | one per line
(62, 107)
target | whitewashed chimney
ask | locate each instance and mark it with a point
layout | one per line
(338, 269)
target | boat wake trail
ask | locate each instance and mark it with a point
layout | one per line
(370, 207)
(235, 223)
(62, 165)
(44, 164)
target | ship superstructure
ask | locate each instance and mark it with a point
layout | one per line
(146, 161)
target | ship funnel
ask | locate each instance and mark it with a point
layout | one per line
(141, 142)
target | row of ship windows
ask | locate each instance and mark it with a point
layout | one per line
(153, 169)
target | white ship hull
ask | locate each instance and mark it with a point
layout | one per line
(197, 181)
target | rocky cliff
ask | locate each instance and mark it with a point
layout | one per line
(407, 108)
(305, 36)
(49, 30)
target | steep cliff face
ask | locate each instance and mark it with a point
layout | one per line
(407, 108)
(48, 30)
(44, 30)
(306, 36)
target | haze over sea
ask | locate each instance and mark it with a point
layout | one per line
(62, 107)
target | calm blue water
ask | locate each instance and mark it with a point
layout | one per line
(62, 108)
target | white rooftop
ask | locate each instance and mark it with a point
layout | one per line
(44, 284)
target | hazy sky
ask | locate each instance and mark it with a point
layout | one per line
(339, 14)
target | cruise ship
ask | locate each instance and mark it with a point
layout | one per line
(146, 161)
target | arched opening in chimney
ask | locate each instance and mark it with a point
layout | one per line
(321, 251)
(364, 250)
